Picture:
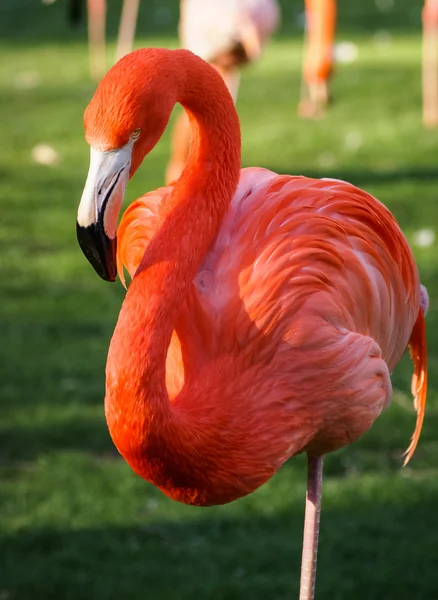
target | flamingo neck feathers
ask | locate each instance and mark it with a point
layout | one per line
(142, 421)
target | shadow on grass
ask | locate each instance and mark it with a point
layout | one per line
(21, 444)
(375, 548)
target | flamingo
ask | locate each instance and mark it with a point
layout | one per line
(227, 34)
(265, 312)
(430, 63)
(318, 58)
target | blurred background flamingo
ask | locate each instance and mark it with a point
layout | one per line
(430, 63)
(318, 56)
(228, 34)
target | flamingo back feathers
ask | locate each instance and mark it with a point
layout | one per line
(288, 237)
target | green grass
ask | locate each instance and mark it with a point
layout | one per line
(75, 522)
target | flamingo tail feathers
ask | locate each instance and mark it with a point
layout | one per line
(418, 350)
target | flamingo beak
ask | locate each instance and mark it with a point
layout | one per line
(100, 206)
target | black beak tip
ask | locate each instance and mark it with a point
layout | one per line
(99, 249)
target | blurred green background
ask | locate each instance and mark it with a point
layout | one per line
(75, 522)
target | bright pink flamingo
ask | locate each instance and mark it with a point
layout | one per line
(430, 63)
(228, 34)
(265, 313)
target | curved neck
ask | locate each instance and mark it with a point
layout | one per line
(136, 388)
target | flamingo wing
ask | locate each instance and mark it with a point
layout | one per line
(289, 242)
(136, 228)
(323, 267)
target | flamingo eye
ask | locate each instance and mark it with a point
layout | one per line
(135, 134)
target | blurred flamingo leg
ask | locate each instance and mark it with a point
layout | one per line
(96, 37)
(128, 22)
(318, 60)
(430, 63)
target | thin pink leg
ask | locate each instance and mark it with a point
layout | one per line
(128, 22)
(430, 76)
(96, 37)
(311, 528)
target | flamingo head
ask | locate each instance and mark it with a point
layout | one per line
(123, 122)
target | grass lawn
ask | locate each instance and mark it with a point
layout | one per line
(75, 522)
